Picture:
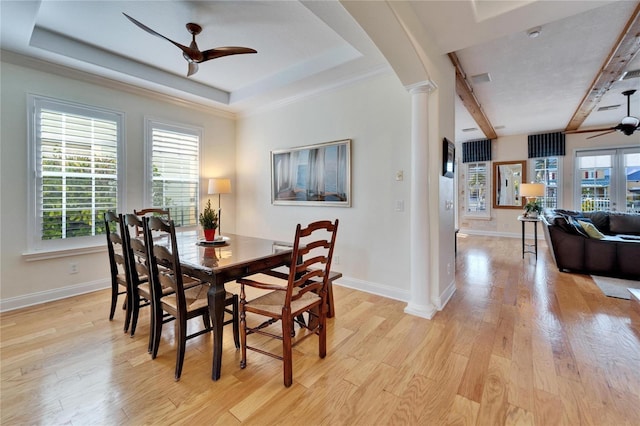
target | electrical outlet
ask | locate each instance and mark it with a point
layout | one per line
(336, 260)
(448, 269)
(73, 268)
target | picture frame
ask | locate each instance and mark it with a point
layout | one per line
(312, 175)
(448, 158)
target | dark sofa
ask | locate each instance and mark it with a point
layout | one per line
(616, 253)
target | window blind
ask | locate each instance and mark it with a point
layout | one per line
(479, 150)
(77, 163)
(546, 145)
(175, 174)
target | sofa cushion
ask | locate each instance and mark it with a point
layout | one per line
(624, 223)
(591, 229)
(600, 219)
(561, 222)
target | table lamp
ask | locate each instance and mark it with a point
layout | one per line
(531, 190)
(219, 186)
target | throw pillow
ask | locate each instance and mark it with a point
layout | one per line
(591, 230)
(576, 226)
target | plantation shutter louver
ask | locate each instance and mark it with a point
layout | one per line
(77, 163)
(175, 175)
(546, 145)
(475, 151)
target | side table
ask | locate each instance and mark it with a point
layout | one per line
(533, 246)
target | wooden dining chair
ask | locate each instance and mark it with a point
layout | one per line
(149, 212)
(117, 265)
(304, 291)
(136, 256)
(140, 287)
(184, 303)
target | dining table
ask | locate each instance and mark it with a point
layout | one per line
(228, 259)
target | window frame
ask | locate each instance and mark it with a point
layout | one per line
(486, 214)
(35, 103)
(151, 123)
(617, 181)
(559, 180)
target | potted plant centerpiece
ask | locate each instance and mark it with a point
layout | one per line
(209, 222)
(532, 209)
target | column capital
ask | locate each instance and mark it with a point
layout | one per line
(426, 86)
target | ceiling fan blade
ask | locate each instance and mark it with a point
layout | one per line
(187, 50)
(607, 129)
(193, 68)
(601, 134)
(219, 52)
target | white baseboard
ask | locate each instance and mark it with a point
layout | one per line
(442, 300)
(397, 294)
(483, 233)
(373, 288)
(18, 302)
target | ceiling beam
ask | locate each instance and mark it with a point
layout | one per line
(623, 51)
(464, 90)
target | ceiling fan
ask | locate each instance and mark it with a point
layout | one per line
(192, 54)
(628, 125)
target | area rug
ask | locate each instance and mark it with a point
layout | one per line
(615, 287)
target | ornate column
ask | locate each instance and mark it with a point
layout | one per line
(420, 300)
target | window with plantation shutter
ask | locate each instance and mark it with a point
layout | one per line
(477, 189)
(75, 156)
(174, 170)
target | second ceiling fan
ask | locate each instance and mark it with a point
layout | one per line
(628, 125)
(192, 53)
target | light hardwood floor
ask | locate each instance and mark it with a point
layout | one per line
(519, 343)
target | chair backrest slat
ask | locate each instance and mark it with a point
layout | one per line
(150, 212)
(135, 249)
(115, 245)
(311, 259)
(164, 262)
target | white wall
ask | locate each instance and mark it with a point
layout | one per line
(23, 282)
(373, 239)
(504, 222)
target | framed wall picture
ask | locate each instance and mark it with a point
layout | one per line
(313, 175)
(448, 158)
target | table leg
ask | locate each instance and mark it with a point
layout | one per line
(216, 296)
(523, 239)
(535, 238)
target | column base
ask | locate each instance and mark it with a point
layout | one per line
(422, 311)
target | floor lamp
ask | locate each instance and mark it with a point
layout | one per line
(219, 186)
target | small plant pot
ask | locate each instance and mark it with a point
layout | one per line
(209, 234)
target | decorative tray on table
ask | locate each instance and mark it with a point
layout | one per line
(218, 241)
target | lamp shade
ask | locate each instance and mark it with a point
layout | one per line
(532, 189)
(219, 186)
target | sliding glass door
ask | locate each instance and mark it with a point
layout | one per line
(608, 180)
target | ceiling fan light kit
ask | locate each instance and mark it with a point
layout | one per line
(628, 125)
(192, 53)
